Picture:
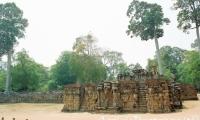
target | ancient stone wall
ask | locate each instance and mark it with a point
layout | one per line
(33, 97)
(158, 96)
(175, 95)
(188, 92)
(90, 99)
(141, 91)
(72, 97)
(117, 96)
(155, 95)
(128, 96)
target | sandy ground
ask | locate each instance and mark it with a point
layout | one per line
(23, 111)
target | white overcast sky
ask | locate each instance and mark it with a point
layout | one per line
(54, 25)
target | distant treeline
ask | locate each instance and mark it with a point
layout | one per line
(90, 63)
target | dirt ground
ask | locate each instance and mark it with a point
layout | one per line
(23, 111)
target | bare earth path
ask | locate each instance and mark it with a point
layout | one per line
(46, 111)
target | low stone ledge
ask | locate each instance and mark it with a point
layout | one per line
(33, 97)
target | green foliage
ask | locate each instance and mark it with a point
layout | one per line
(189, 69)
(114, 63)
(189, 12)
(195, 72)
(195, 45)
(61, 73)
(145, 19)
(137, 66)
(12, 26)
(171, 58)
(52, 85)
(25, 72)
(2, 66)
(2, 81)
(44, 77)
(167, 74)
(176, 54)
(86, 45)
(86, 62)
(150, 63)
(87, 68)
(121, 68)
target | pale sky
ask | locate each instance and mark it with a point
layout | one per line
(55, 24)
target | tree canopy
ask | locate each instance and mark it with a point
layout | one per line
(189, 13)
(86, 62)
(111, 60)
(12, 26)
(25, 72)
(189, 69)
(61, 73)
(195, 45)
(146, 20)
(171, 58)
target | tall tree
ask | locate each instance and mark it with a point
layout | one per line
(85, 62)
(86, 45)
(146, 21)
(172, 57)
(176, 53)
(189, 13)
(12, 26)
(112, 60)
(25, 72)
(61, 73)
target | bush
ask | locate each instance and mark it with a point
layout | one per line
(2, 81)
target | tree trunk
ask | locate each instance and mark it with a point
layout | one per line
(198, 39)
(8, 89)
(158, 54)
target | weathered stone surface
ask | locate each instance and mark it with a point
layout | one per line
(142, 92)
(72, 97)
(188, 92)
(158, 99)
(33, 97)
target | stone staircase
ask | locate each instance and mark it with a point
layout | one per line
(142, 98)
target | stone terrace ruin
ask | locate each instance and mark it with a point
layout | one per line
(141, 92)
